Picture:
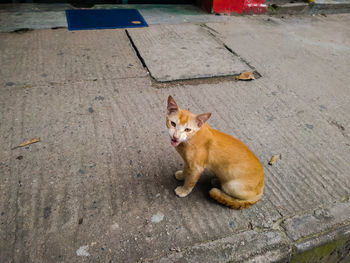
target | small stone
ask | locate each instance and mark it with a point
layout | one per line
(83, 251)
(19, 157)
(130, 162)
(232, 224)
(10, 84)
(91, 110)
(138, 175)
(81, 221)
(250, 225)
(157, 217)
(102, 248)
(47, 211)
(81, 171)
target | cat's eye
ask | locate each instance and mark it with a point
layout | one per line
(173, 124)
(187, 130)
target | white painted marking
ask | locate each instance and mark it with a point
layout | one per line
(257, 5)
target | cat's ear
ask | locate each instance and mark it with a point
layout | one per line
(172, 106)
(202, 118)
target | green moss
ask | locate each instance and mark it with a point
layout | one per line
(327, 253)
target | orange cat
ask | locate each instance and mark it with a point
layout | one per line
(239, 171)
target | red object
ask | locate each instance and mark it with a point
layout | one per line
(234, 6)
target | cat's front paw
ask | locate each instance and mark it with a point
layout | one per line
(179, 175)
(181, 191)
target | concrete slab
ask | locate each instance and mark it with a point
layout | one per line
(60, 56)
(329, 246)
(12, 21)
(311, 105)
(93, 166)
(323, 219)
(177, 52)
(249, 246)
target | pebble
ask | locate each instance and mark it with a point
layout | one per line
(157, 217)
(83, 251)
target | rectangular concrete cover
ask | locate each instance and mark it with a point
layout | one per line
(175, 52)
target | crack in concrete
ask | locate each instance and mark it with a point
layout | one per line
(137, 52)
(340, 127)
(210, 32)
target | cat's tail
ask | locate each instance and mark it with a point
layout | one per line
(230, 201)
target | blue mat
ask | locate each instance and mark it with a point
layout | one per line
(83, 19)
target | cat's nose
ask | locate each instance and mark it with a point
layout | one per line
(175, 137)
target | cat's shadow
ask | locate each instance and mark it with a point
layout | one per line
(204, 185)
(201, 189)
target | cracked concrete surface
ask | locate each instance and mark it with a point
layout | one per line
(98, 187)
(181, 52)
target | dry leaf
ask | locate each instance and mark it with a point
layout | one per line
(246, 76)
(275, 158)
(27, 143)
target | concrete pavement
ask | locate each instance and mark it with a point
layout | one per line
(98, 187)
